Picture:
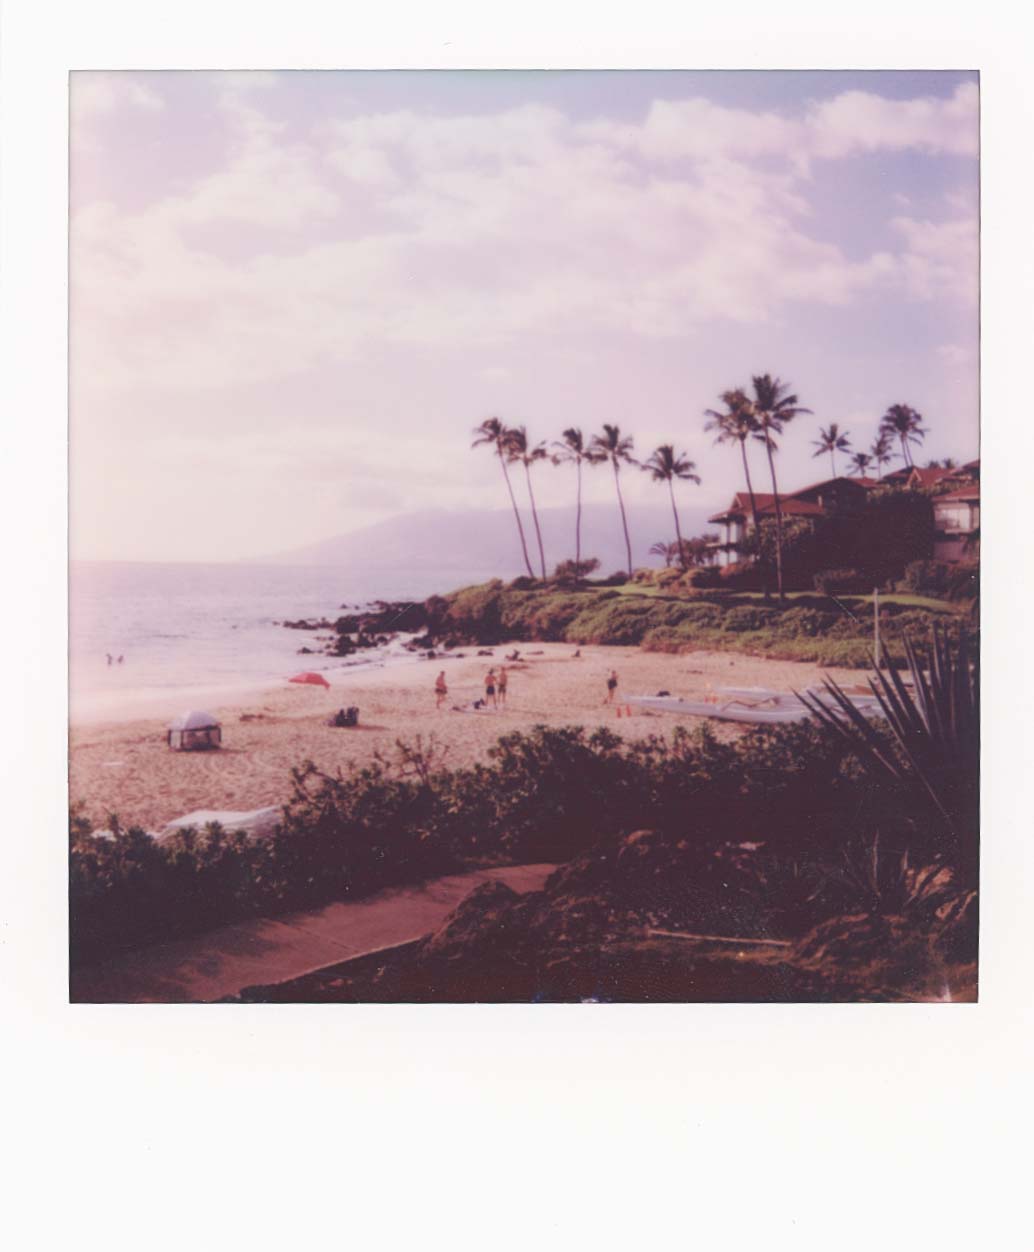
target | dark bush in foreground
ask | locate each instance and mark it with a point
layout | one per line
(788, 798)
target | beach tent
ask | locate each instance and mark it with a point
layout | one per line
(194, 730)
(316, 680)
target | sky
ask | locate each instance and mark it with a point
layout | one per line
(293, 295)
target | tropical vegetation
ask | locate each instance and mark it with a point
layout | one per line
(832, 440)
(613, 447)
(665, 466)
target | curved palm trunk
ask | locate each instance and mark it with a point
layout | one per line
(757, 520)
(578, 519)
(905, 452)
(832, 461)
(517, 515)
(779, 523)
(535, 519)
(678, 528)
(624, 519)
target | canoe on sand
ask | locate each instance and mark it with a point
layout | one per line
(757, 705)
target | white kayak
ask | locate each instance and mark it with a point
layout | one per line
(754, 704)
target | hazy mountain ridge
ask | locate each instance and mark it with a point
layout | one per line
(449, 547)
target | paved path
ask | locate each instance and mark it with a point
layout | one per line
(269, 950)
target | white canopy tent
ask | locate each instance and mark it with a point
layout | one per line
(194, 731)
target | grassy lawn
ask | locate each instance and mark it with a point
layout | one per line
(902, 598)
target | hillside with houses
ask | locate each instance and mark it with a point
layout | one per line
(842, 523)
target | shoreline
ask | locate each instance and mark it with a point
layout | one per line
(120, 763)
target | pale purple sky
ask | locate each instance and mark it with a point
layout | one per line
(294, 294)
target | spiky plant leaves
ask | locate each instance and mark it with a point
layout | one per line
(932, 752)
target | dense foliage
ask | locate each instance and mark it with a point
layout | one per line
(788, 797)
(808, 628)
(939, 578)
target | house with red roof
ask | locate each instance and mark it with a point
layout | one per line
(920, 477)
(956, 508)
(956, 516)
(843, 497)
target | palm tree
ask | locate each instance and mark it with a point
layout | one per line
(612, 446)
(492, 432)
(831, 441)
(518, 449)
(736, 425)
(774, 405)
(664, 467)
(860, 464)
(670, 551)
(572, 449)
(881, 452)
(904, 424)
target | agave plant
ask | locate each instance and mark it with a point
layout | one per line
(933, 750)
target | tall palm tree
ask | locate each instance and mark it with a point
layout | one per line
(493, 433)
(774, 406)
(518, 449)
(832, 440)
(881, 453)
(616, 448)
(904, 424)
(572, 450)
(736, 425)
(664, 466)
(860, 463)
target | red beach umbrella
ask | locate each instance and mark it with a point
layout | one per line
(316, 680)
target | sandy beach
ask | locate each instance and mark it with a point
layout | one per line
(122, 765)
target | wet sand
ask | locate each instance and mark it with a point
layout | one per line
(122, 765)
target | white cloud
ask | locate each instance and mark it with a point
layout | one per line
(94, 95)
(858, 121)
(957, 354)
(476, 230)
(940, 258)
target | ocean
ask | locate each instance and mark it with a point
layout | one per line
(183, 629)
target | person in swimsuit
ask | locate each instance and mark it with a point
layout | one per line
(502, 687)
(440, 690)
(490, 688)
(612, 686)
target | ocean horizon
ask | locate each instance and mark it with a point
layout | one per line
(188, 627)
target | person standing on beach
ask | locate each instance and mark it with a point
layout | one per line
(440, 690)
(612, 686)
(503, 679)
(490, 681)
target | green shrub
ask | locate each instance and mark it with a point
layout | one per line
(708, 577)
(571, 571)
(748, 618)
(963, 582)
(846, 581)
(927, 578)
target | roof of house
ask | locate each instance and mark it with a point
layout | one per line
(970, 492)
(765, 502)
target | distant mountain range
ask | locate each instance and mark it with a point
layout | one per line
(437, 550)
